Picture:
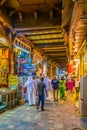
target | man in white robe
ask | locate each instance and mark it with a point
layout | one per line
(30, 90)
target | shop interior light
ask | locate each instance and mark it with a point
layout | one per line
(18, 47)
(3, 40)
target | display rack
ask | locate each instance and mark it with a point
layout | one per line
(4, 67)
(10, 98)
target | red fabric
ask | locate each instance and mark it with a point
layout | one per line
(70, 85)
(24, 90)
(69, 68)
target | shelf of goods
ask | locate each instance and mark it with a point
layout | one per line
(9, 98)
(21, 83)
(4, 67)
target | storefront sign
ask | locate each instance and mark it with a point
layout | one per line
(13, 82)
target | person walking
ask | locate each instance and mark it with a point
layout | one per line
(41, 88)
(62, 89)
(30, 90)
(55, 86)
(37, 81)
(48, 86)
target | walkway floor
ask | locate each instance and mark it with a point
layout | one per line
(58, 116)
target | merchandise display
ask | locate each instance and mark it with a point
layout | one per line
(37, 60)
(9, 97)
(22, 69)
(4, 67)
(22, 80)
(21, 62)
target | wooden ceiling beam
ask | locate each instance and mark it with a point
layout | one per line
(54, 48)
(60, 57)
(57, 54)
(65, 62)
(60, 60)
(38, 28)
(41, 42)
(45, 34)
(53, 51)
(39, 39)
(36, 33)
(49, 45)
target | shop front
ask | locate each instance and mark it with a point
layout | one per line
(6, 94)
(79, 72)
(5, 56)
(22, 63)
(83, 79)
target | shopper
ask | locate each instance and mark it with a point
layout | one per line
(37, 81)
(70, 84)
(62, 89)
(41, 88)
(48, 86)
(55, 86)
(30, 90)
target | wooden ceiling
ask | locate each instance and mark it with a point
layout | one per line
(49, 40)
(40, 21)
(48, 23)
(78, 29)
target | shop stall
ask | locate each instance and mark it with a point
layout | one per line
(5, 70)
(22, 63)
(4, 66)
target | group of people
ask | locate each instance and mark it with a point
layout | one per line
(38, 89)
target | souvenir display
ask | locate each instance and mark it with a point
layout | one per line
(4, 67)
(22, 62)
(8, 98)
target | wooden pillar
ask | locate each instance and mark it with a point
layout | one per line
(32, 54)
(53, 71)
(81, 65)
(12, 60)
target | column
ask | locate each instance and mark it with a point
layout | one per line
(81, 65)
(53, 71)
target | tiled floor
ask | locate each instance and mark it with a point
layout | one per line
(57, 116)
